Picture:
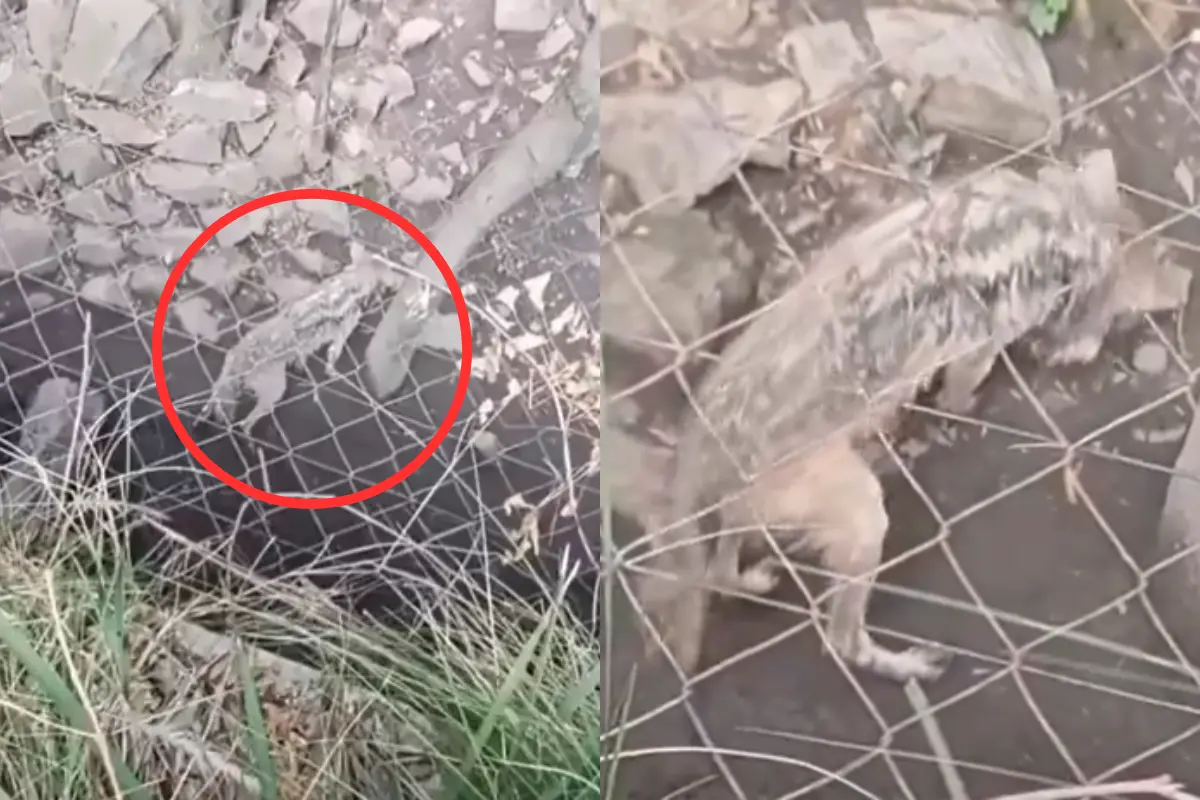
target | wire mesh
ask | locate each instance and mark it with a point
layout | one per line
(1023, 535)
(131, 127)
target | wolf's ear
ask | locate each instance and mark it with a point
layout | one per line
(1096, 180)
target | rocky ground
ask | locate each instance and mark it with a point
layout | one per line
(131, 125)
(1052, 591)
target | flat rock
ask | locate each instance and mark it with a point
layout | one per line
(27, 104)
(721, 19)
(93, 205)
(675, 147)
(19, 178)
(113, 47)
(427, 189)
(47, 24)
(82, 161)
(187, 183)
(690, 271)
(415, 33)
(147, 280)
(216, 102)
(827, 57)
(289, 288)
(326, 215)
(312, 262)
(26, 243)
(400, 173)
(311, 19)
(282, 156)
(166, 244)
(987, 76)
(560, 36)
(118, 128)
(149, 209)
(97, 246)
(105, 290)
(218, 269)
(242, 228)
(202, 31)
(523, 16)
(252, 43)
(194, 143)
(251, 135)
(198, 318)
(289, 64)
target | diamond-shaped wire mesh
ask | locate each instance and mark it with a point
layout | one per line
(127, 132)
(740, 139)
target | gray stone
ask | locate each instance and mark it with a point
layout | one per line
(987, 76)
(1151, 358)
(348, 171)
(166, 244)
(290, 64)
(82, 161)
(93, 205)
(311, 262)
(674, 147)
(827, 57)
(105, 290)
(400, 173)
(236, 232)
(194, 143)
(202, 31)
(311, 19)
(96, 246)
(147, 280)
(19, 178)
(26, 104)
(251, 135)
(560, 36)
(114, 47)
(289, 288)
(118, 128)
(282, 156)
(47, 24)
(218, 269)
(427, 189)
(416, 32)
(218, 101)
(252, 43)
(326, 215)
(524, 16)
(149, 209)
(26, 243)
(197, 317)
(239, 177)
(187, 183)
(476, 74)
(719, 20)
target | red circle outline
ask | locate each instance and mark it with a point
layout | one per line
(160, 322)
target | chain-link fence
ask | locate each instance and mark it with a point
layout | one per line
(742, 144)
(131, 126)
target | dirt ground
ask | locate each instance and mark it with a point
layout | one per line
(1062, 674)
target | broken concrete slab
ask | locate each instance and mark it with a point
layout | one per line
(289, 64)
(194, 143)
(146, 280)
(118, 128)
(524, 16)
(47, 25)
(166, 244)
(242, 228)
(27, 243)
(312, 17)
(216, 102)
(187, 183)
(986, 76)
(97, 246)
(114, 47)
(218, 269)
(676, 147)
(149, 209)
(27, 100)
(105, 290)
(82, 161)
